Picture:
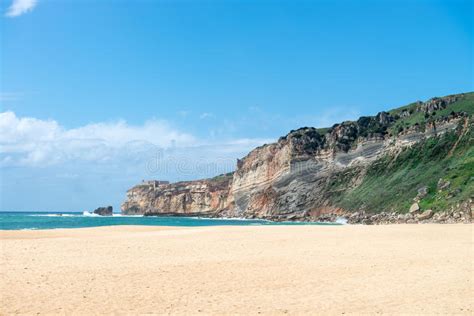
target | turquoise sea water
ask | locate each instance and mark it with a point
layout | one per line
(51, 220)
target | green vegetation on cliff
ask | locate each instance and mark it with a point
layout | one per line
(421, 152)
(464, 103)
(391, 183)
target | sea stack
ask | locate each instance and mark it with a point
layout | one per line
(104, 211)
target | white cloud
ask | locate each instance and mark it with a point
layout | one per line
(117, 134)
(32, 142)
(19, 7)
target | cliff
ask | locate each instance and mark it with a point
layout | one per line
(186, 198)
(354, 166)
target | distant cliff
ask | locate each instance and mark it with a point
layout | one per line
(376, 164)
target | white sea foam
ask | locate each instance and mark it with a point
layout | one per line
(341, 220)
(86, 213)
(53, 215)
(120, 215)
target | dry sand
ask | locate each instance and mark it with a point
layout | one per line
(239, 270)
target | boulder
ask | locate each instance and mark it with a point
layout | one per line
(422, 192)
(425, 215)
(104, 211)
(442, 216)
(367, 221)
(414, 208)
(443, 184)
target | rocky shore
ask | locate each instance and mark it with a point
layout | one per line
(448, 217)
(463, 213)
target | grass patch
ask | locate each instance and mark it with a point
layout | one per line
(391, 183)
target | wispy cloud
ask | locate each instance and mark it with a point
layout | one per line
(183, 113)
(206, 115)
(19, 7)
(10, 96)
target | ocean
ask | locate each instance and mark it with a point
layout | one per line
(53, 220)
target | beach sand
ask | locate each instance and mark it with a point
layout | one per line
(239, 270)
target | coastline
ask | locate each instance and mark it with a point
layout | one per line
(239, 269)
(464, 216)
(40, 221)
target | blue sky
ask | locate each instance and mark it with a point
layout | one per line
(92, 91)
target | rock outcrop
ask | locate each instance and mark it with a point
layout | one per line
(292, 179)
(104, 211)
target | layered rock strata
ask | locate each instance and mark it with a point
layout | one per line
(288, 179)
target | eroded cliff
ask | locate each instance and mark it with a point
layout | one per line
(311, 172)
(186, 198)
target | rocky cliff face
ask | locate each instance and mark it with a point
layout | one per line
(187, 198)
(292, 178)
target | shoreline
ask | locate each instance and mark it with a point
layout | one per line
(278, 224)
(267, 269)
(272, 223)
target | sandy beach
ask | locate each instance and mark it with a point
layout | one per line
(239, 270)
